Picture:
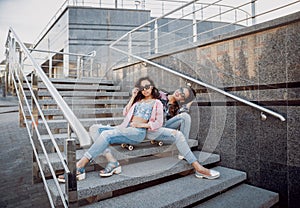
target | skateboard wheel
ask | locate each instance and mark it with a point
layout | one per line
(123, 145)
(152, 142)
(130, 147)
(160, 143)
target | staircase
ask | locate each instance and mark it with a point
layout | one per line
(152, 176)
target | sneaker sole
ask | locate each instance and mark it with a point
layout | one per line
(116, 170)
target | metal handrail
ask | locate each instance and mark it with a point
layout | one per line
(99, 5)
(80, 131)
(42, 145)
(258, 107)
(16, 71)
(206, 85)
(91, 54)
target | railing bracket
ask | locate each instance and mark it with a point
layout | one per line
(263, 116)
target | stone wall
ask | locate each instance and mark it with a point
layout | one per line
(261, 64)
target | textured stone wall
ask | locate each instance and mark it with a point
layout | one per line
(262, 65)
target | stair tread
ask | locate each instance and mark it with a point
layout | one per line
(132, 174)
(87, 80)
(81, 111)
(82, 93)
(191, 190)
(245, 196)
(122, 154)
(81, 101)
(81, 86)
(84, 119)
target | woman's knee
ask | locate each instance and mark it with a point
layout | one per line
(186, 117)
(107, 135)
(178, 135)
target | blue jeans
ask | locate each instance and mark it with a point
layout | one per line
(182, 122)
(114, 135)
(173, 136)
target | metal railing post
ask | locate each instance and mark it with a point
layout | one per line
(34, 110)
(155, 37)
(129, 46)
(194, 24)
(50, 66)
(71, 181)
(91, 67)
(78, 67)
(21, 97)
(253, 12)
(11, 66)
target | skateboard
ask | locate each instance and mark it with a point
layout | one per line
(130, 147)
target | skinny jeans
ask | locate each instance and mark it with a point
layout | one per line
(173, 136)
(114, 135)
(182, 122)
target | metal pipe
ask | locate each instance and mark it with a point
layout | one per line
(253, 12)
(208, 86)
(77, 127)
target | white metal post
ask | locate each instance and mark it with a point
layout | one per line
(129, 46)
(194, 24)
(155, 37)
(253, 12)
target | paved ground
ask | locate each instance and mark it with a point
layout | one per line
(16, 189)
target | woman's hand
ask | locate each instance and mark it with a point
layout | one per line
(134, 92)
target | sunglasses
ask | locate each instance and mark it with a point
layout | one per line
(181, 92)
(146, 87)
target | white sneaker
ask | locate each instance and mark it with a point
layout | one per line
(213, 174)
(180, 157)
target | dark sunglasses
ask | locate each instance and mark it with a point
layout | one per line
(146, 87)
(181, 92)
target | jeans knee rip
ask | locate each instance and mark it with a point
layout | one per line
(178, 135)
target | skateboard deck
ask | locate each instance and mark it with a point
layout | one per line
(130, 147)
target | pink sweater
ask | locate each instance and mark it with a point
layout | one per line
(156, 120)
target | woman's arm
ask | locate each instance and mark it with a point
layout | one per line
(157, 118)
(130, 102)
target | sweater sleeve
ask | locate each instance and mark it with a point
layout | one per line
(157, 117)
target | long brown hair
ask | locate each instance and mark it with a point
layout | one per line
(155, 93)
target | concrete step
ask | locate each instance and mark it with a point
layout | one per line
(143, 149)
(244, 196)
(9, 109)
(78, 101)
(176, 193)
(75, 93)
(77, 86)
(132, 174)
(86, 122)
(81, 111)
(88, 80)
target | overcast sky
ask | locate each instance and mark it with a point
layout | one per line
(29, 17)
(26, 17)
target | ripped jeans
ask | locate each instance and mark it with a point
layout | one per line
(182, 122)
(107, 135)
(173, 136)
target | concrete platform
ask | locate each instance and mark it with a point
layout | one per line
(176, 193)
(244, 196)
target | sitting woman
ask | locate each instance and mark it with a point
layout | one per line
(176, 108)
(177, 118)
(143, 112)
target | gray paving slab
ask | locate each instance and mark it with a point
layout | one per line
(16, 188)
(132, 174)
(176, 193)
(244, 196)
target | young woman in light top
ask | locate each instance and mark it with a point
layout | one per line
(143, 112)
